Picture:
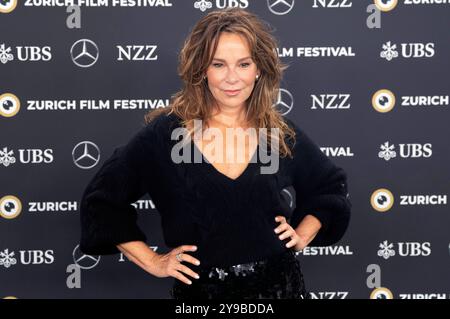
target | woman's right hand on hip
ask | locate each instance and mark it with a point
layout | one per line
(165, 265)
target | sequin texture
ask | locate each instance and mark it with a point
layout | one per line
(279, 277)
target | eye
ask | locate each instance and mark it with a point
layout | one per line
(217, 64)
(246, 65)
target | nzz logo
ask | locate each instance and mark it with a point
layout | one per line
(137, 53)
(329, 295)
(330, 101)
(332, 3)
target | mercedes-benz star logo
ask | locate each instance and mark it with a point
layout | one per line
(280, 7)
(285, 102)
(84, 53)
(84, 261)
(86, 155)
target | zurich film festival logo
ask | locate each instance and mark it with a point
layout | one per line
(382, 200)
(383, 101)
(9, 104)
(386, 5)
(204, 5)
(389, 5)
(6, 6)
(10, 207)
(381, 293)
(84, 53)
(86, 155)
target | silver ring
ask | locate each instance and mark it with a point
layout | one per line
(178, 256)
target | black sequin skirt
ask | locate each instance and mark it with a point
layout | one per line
(279, 277)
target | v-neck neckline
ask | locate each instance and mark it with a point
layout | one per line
(215, 171)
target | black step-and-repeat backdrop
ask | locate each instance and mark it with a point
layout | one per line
(369, 81)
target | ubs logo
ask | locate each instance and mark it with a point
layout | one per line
(25, 53)
(407, 50)
(26, 257)
(26, 156)
(408, 150)
(204, 5)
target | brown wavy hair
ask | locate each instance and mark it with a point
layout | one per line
(194, 100)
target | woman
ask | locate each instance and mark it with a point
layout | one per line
(230, 230)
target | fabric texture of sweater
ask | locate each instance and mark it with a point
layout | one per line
(231, 221)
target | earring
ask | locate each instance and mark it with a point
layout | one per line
(257, 77)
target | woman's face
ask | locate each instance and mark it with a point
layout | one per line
(232, 69)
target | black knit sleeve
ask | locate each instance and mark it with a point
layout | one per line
(321, 190)
(106, 214)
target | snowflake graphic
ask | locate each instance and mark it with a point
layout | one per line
(203, 5)
(387, 152)
(5, 54)
(7, 259)
(389, 51)
(7, 158)
(386, 250)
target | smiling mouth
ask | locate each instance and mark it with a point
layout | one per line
(232, 92)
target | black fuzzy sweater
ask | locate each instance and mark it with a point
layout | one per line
(230, 220)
